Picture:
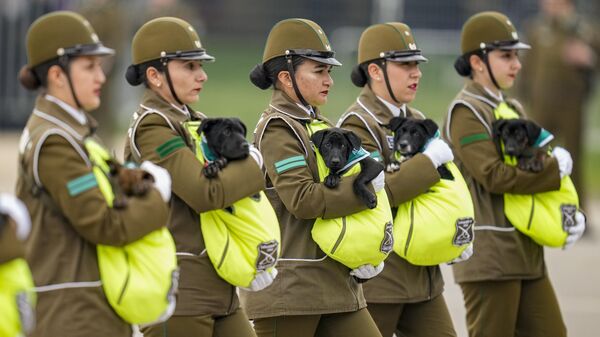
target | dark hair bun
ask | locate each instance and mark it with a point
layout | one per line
(462, 66)
(260, 78)
(133, 76)
(28, 79)
(358, 76)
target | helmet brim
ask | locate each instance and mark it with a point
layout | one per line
(516, 46)
(100, 50)
(409, 58)
(200, 57)
(332, 61)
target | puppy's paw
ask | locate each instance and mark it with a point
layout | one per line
(371, 200)
(392, 167)
(221, 162)
(332, 180)
(211, 170)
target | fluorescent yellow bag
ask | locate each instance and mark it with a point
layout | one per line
(365, 237)
(242, 239)
(17, 299)
(544, 217)
(436, 226)
(139, 279)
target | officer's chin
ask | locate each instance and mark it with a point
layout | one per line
(92, 105)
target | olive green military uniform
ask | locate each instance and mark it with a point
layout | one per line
(555, 91)
(504, 283)
(10, 247)
(157, 134)
(69, 218)
(403, 297)
(309, 283)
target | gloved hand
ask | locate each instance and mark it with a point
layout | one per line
(162, 179)
(16, 210)
(367, 271)
(378, 182)
(439, 152)
(256, 155)
(565, 162)
(262, 280)
(464, 256)
(575, 232)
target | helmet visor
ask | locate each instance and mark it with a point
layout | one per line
(508, 45)
(198, 54)
(96, 49)
(404, 56)
(326, 57)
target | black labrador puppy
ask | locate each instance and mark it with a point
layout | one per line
(226, 141)
(410, 137)
(336, 146)
(519, 137)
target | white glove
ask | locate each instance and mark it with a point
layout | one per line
(162, 179)
(262, 280)
(256, 155)
(378, 182)
(465, 255)
(565, 162)
(16, 210)
(439, 152)
(575, 232)
(367, 271)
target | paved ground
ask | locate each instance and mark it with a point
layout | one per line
(575, 273)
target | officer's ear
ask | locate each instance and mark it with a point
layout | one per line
(431, 127)
(284, 78)
(395, 123)
(533, 132)
(353, 139)
(317, 137)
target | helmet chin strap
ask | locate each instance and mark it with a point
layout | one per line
(387, 81)
(290, 68)
(486, 60)
(165, 63)
(63, 63)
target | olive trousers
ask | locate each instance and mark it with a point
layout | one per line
(523, 308)
(347, 324)
(421, 319)
(234, 325)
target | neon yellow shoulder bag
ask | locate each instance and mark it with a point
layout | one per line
(436, 226)
(17, 299)
(242, 239)
(139, 279)
(545, 216)
(365, 237)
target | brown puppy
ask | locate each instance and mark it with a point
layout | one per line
(127, 182)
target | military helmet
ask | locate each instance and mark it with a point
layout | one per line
(167, 37)
(300, 37)
(490, 30)
(62, 33)
(393, 41)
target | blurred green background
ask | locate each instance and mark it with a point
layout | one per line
(229, 92)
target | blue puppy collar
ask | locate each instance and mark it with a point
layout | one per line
(206, 152)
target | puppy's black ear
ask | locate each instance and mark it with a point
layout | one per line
(430, 126)
(533, 132)
(353, 139)
(317, 137)
(497, 126)
(395, 123)
(240, 124)
(208, 124)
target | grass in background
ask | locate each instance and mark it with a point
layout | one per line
(229, 92)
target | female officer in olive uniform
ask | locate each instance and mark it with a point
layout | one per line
(505, 284)
(313, 295)
(405, 297)
(70, 215)
(168, 59)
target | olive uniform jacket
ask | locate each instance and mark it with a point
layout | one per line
(308, 281)
(500, 251)
(69, 218)
(10, 247)
(400, 281)
(157, 134)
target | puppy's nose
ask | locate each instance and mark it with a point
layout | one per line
(403, 145)
(335, 161)
(245, 146)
